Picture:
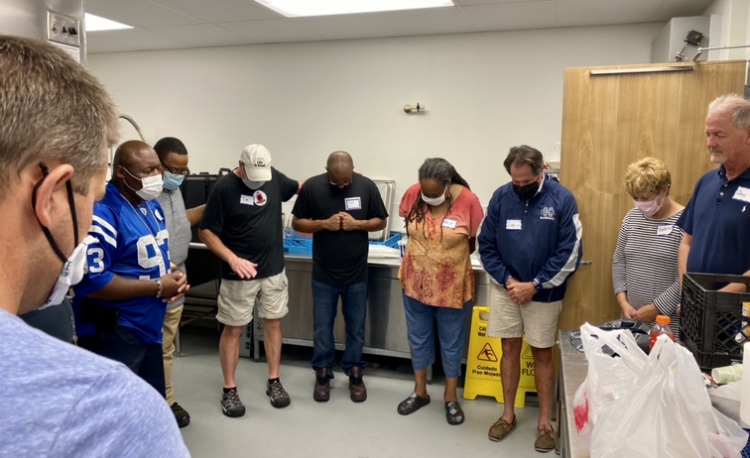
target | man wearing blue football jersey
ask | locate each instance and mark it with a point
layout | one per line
(129, 279)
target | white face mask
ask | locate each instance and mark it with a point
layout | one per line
(434, 201)
(151, 186)
(253, 184)
(71, 274)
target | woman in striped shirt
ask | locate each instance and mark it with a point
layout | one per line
(644, 268)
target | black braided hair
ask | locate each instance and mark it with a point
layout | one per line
(445, 174)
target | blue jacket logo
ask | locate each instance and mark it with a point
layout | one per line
(547, 213)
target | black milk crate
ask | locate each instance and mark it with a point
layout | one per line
(711, 324)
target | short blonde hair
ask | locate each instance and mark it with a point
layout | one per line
(647, 177)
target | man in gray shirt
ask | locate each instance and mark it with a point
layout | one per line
(174, 160)
(56, 124)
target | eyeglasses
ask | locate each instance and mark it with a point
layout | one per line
(175, 172)
(340, 185)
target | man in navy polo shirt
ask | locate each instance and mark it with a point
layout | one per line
(716, 220)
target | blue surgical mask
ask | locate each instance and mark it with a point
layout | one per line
(172, 181)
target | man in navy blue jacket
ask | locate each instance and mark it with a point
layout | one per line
(530, 244)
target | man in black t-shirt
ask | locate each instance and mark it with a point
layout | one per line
(339, 208)
(242, 226)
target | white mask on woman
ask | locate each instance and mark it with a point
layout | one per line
(434, 201)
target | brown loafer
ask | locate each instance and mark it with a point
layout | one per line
(545, 441)
(357, 387)
(322, 389)
(500, 429)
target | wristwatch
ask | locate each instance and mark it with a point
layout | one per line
(537, 285)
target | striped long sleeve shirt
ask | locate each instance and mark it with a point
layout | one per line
(645, 263)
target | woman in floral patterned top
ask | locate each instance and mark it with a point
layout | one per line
(442, 217)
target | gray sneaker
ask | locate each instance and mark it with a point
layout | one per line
(231, 405)
(277, 393)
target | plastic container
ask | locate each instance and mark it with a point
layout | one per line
(711, 324)
(392, 242)
(660, 328)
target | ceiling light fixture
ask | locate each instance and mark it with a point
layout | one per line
(97, 24)
(300, 8)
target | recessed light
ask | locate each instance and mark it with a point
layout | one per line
(97, 24)
(299, 8)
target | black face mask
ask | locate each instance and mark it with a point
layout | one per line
(526, 192)
(71, 203)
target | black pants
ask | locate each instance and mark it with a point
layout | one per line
(145, 359)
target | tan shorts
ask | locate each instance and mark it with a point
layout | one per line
(508, 320)
(237, 299)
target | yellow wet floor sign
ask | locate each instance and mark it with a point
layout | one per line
(483, 363)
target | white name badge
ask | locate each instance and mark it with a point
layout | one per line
(665, 230)
(353, 203)
(246, 200)
(450, 223)
(742, 194)
(157, 213)
(513, 225)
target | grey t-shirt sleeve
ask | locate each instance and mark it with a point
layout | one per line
(120, 415)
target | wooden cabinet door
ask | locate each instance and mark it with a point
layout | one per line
(614, 118)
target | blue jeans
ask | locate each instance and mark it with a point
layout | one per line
(354, 309)
(451, 328)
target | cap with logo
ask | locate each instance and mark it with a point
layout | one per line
(257, 161)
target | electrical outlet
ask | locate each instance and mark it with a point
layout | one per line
(63, 29)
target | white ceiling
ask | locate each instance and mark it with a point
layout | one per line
(172, 24)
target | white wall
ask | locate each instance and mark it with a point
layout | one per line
(484, 93)
(730, 26)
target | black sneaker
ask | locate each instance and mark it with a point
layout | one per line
(277, 393)
(181, 415)
(231, 405)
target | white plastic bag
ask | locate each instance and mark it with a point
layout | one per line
(651, 406)
(608, 378)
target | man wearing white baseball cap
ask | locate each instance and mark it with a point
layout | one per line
(242, 226)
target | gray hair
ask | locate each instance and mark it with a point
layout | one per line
(51, 107)
(525, 155)
(734, 104)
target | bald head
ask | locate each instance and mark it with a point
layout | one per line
(340, 167)
(131, 153)
(133, 161)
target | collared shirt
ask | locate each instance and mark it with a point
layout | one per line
(718, 218)
(178, 227)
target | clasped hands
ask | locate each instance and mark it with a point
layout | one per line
(520, 293)
(341, 221)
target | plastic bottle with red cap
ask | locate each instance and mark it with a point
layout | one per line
(661, 327)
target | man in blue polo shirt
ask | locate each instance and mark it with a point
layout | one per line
(716, 220)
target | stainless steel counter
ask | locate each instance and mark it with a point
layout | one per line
(573, 370)
(385, 327)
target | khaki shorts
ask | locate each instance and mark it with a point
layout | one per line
(508, 320)
(237, 299)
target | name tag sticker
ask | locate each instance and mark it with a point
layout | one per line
(353, 203)
(513, 225)
(664, 230)
(246, 200)
(742, 194)
(450, 223)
